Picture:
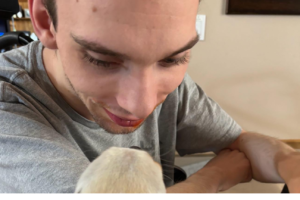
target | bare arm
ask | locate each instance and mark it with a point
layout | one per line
(200, 182)
(227, 169)
(203, 182)
(272, 161)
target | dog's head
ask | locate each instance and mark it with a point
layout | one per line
(122, 170)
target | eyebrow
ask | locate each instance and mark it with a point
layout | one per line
(188, 46)
(97, 48)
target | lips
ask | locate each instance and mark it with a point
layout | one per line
(123, 122)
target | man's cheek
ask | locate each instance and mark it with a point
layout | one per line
(96, 90)
(169, 84)
(93, 87)
(80, 75)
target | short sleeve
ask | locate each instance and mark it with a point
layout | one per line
(202, 125)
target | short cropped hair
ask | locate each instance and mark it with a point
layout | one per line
(50, 5)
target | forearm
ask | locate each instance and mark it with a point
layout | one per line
(224, 171)
(265, 154)
(203, 181)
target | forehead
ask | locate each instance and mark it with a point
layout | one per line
(125, 22)
(148, 7)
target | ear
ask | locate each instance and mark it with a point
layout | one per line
(42, 24)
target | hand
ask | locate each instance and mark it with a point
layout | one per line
(231, 168)
(289, 170)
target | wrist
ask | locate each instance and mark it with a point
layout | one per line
(211, 177)
(294, 185)
(287, 163)
(202, 181)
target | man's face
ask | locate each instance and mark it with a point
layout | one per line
(121, 58)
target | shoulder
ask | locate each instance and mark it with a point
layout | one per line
(18, 61)
(18, 69)
(188, 87)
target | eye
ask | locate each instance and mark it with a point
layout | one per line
(97, 62)
(172, 61)
(169, 60)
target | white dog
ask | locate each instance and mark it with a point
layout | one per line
(122, 170)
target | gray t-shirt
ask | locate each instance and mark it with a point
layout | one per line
(45, 145)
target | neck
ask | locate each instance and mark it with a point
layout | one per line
(57, 77)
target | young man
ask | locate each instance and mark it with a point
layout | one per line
(113, 73)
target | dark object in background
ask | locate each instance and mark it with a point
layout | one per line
(14, 38)
(179, 175)
(8, 39)
(264, 7)
(8, 8)
(285, 189)
(4, 26)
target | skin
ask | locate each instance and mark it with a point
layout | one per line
(145, 37)
(134, 84)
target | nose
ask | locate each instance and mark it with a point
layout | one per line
(138, 93)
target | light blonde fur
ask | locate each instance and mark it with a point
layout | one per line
(122, 170)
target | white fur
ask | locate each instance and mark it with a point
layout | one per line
(122, 170)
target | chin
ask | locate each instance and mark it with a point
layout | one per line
(112, 127)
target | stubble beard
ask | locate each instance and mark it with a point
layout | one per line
(107, 125)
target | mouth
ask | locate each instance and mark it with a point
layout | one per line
(123, 122)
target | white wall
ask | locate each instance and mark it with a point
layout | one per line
(250, 65)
